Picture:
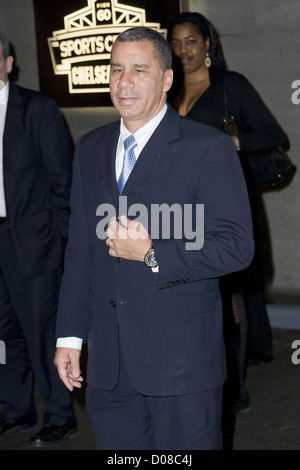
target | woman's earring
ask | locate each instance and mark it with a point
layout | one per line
(207, 60)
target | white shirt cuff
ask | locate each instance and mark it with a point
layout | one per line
(69, 342)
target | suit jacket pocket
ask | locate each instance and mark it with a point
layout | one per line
(190, 298)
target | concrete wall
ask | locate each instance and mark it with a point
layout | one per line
(260, 38)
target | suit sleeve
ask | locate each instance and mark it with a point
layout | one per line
(225, 239)
(73, 310)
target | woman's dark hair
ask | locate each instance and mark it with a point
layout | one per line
(205, 29)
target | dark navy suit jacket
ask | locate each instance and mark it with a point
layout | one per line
(167, 324)
(37, 179)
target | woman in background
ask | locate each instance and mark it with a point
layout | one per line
(202, 86)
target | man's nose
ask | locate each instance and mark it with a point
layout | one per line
(126, 80)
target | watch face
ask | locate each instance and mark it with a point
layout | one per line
(150, 259)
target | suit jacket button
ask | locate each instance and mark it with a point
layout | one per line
(117, 260)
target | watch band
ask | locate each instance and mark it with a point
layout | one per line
(149, 258)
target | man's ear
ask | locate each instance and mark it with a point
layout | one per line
(168, 80)
(9, 63)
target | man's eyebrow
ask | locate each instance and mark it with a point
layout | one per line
(117, 64)
(141, 66)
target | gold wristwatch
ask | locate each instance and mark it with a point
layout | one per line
(149, 258)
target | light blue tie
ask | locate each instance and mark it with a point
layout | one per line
(128, 162)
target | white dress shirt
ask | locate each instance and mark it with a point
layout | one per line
(141, 136)
(3, 108)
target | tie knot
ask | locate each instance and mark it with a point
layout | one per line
(130, 142)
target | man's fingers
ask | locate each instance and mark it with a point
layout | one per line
(63, 375)
(67, 363)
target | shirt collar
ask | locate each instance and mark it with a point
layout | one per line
(4, 94)
(145, 132)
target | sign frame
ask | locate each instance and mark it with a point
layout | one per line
(74, 40)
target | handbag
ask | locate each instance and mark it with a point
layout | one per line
(267, 167)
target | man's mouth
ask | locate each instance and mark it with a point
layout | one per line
(126, 99)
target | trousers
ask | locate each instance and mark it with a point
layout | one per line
(123, 419)
(27, 328)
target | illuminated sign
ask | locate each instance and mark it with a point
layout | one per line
(74, 41)
(82, 49)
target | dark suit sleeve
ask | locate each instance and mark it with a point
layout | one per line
(228, 240)
(55, 147)
(73, 310)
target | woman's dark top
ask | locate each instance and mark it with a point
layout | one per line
(258, 129)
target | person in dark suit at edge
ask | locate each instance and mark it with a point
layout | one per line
(146, 298)
(35, 180)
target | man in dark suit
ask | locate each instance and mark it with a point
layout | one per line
(35, 180)
(143, 291)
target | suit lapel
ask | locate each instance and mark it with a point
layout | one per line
(13, 123)
(155, 152)
(107, 161)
